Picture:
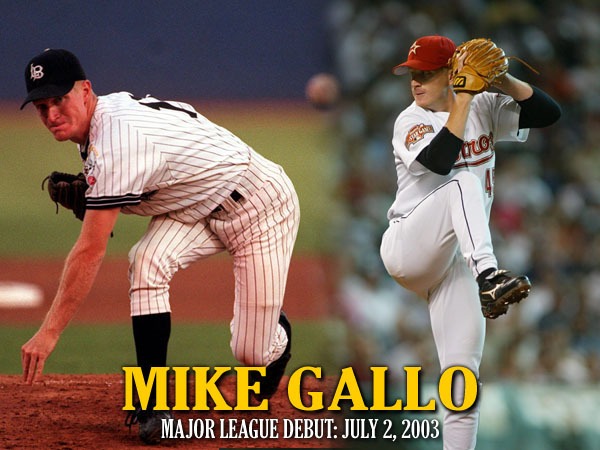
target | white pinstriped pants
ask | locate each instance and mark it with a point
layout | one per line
(259, 232)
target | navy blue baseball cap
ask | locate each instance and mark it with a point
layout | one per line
(52, 73)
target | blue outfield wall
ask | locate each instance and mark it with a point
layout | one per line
(180, 49)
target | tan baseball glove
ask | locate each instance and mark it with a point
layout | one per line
(476, 64)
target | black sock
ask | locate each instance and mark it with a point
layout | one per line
(151, 336)
(483, 275)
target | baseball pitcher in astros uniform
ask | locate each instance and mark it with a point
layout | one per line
(438, 242)
(205, 192)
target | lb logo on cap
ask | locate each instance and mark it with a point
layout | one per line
(37, 72)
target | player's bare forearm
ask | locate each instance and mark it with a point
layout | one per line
(79, 273)
(78, 276)
(517, 89)
(80, 270)
(457, 118)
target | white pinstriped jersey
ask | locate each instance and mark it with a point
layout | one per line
(151, 157)
(165, 160)
(493, 118)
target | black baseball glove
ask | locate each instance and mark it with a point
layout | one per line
(68, 190)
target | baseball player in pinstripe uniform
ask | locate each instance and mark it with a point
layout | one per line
(205, 190)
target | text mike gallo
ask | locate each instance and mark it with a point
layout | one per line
(208, 396)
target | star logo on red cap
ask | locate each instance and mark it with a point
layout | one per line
(413, 48)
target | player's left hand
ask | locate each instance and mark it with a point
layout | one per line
(68, 190)
(34, 354)
(476, 64)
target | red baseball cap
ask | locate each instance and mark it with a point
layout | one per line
(427, 53)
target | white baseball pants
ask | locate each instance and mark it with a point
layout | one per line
(437, 250)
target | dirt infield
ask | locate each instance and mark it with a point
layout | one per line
(84, 412)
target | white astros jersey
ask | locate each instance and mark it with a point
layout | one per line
(493, 118)
(150, 157)
(438, 239)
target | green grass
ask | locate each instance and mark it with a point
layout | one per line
(30, 227)
(107, 348)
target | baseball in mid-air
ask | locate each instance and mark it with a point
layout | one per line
(323, 90)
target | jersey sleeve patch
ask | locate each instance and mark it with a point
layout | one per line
(416, 133)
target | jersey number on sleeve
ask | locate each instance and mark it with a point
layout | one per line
(165, 105)
(489, 182)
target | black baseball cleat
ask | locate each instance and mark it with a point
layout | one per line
(275, 371)
(499, 290)
(150, 423)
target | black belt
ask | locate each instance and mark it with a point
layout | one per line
(235, 196)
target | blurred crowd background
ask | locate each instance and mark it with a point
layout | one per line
(546, 214)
